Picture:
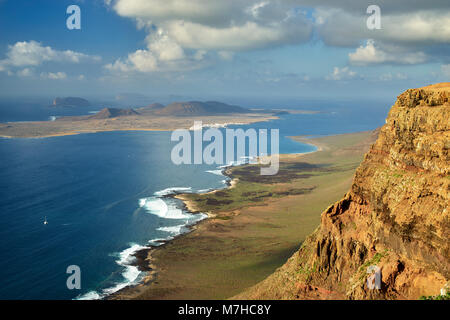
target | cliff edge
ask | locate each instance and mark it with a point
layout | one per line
(394, 219)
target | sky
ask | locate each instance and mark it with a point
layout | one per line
(270, 49)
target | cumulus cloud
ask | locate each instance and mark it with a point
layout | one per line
(161, 54)
(141, 60)
(157, 11)
(164, 48)
(221, 25)
(342, 28)
(183, 31)
(248, 36)
(414, 35)
(371, 54)
(33, 53)
(343, 73)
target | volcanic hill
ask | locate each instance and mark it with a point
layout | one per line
(197, 108)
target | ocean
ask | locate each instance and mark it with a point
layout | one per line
(103, 196)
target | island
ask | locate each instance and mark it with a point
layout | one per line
(154, 117)
(70, 102)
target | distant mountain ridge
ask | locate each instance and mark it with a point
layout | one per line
(108, 113)
(70, 102)
(155, 106)
(195, 108)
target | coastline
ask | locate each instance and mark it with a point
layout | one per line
(190, 205)
(74, 133)
(143, 257)
(49, 129)
(148, 259)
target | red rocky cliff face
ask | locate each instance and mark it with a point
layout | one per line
(395, 217)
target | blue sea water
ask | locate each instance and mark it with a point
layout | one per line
(102, 195)
(38, 110)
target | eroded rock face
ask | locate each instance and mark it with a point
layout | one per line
(395, 217)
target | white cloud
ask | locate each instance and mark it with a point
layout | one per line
(53, 75)
(231, 25)
(142, 60)
(33, 53)
(183, 31)
(248, 36)
(341, 74)
(412, 32)
(161, 54)
(372, 54)
(162, 10)
(146, 61)
(421, 27)
(164, 48)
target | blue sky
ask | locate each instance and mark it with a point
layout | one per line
(206, 49)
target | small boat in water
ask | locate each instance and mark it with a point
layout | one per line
(45, 220)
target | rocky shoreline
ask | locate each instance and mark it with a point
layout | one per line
(143, 257)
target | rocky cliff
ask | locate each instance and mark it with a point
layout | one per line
(395, 216)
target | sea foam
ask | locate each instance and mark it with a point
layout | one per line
(180, 229)
(172, 190)
(216, 172)
(159, 205)
(163, 208)
(130, 274)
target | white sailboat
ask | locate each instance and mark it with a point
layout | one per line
(45, 220)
